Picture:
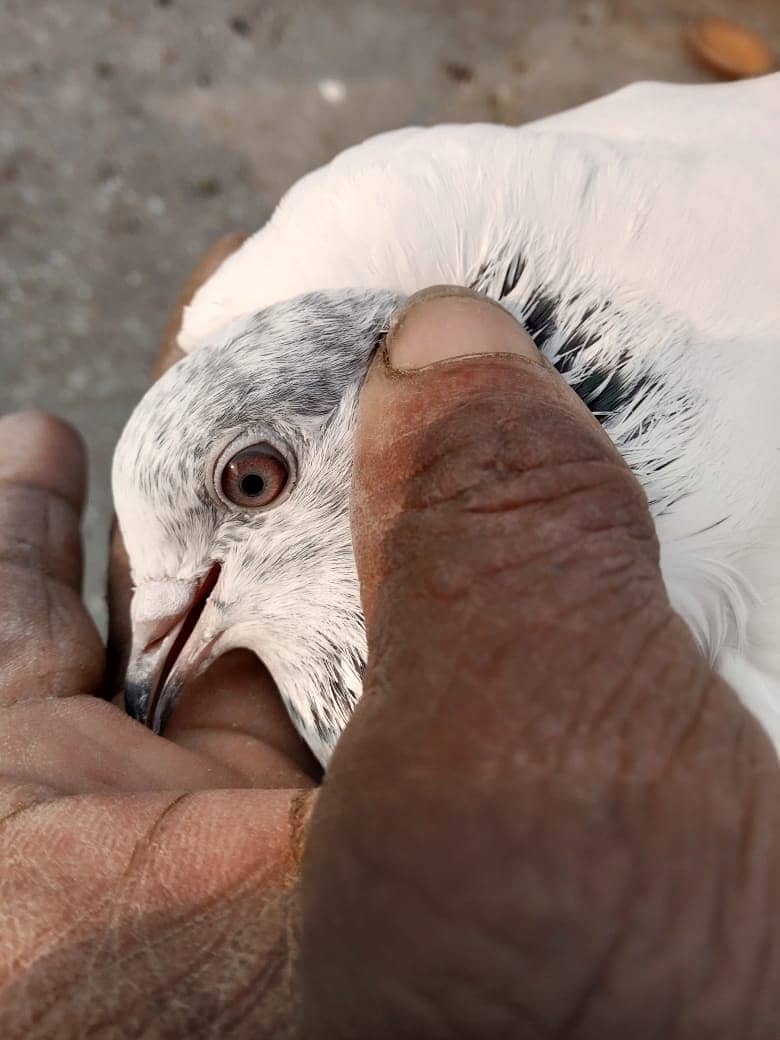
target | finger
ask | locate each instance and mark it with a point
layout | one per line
(170, 352)
(48, 644)
(233, 714)
(496, 802)
(82, 745)
(494, 481)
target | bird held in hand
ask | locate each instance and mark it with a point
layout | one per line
(634, 237)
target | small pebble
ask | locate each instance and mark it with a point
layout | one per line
(332, 90)
(207, 187)
(155, 205)
(240, 25)
(458, 71)
(729, 49)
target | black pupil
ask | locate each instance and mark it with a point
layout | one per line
(252, 485)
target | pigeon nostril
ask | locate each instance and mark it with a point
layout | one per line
(161, 629)
(191, 619)
(152, 631)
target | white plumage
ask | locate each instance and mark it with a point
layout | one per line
(635, 237)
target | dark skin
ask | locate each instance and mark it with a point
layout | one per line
(548, 817)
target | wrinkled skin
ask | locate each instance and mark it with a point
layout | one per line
(548, 818)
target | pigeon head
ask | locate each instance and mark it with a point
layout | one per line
(231, 483)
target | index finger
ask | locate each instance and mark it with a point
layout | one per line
(48, 643)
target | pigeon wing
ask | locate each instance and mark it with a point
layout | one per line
(669, 191)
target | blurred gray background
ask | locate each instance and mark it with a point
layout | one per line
(132, 134)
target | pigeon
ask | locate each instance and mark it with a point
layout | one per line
(635, 239)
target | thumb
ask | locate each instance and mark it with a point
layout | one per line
(486, 819)
(473, 451)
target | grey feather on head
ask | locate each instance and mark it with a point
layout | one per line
(287, 377)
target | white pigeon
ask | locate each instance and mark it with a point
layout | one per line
(636, 237)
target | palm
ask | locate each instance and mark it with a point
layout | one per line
(157, 851)
(133, 854)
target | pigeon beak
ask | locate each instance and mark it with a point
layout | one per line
(169, 645)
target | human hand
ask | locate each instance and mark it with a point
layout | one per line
(547, 817)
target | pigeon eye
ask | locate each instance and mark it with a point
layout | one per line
(255, 476)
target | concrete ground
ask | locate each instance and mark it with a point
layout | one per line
(133, 134)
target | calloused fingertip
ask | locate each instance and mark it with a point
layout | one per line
(446, 323)
(41, 450)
